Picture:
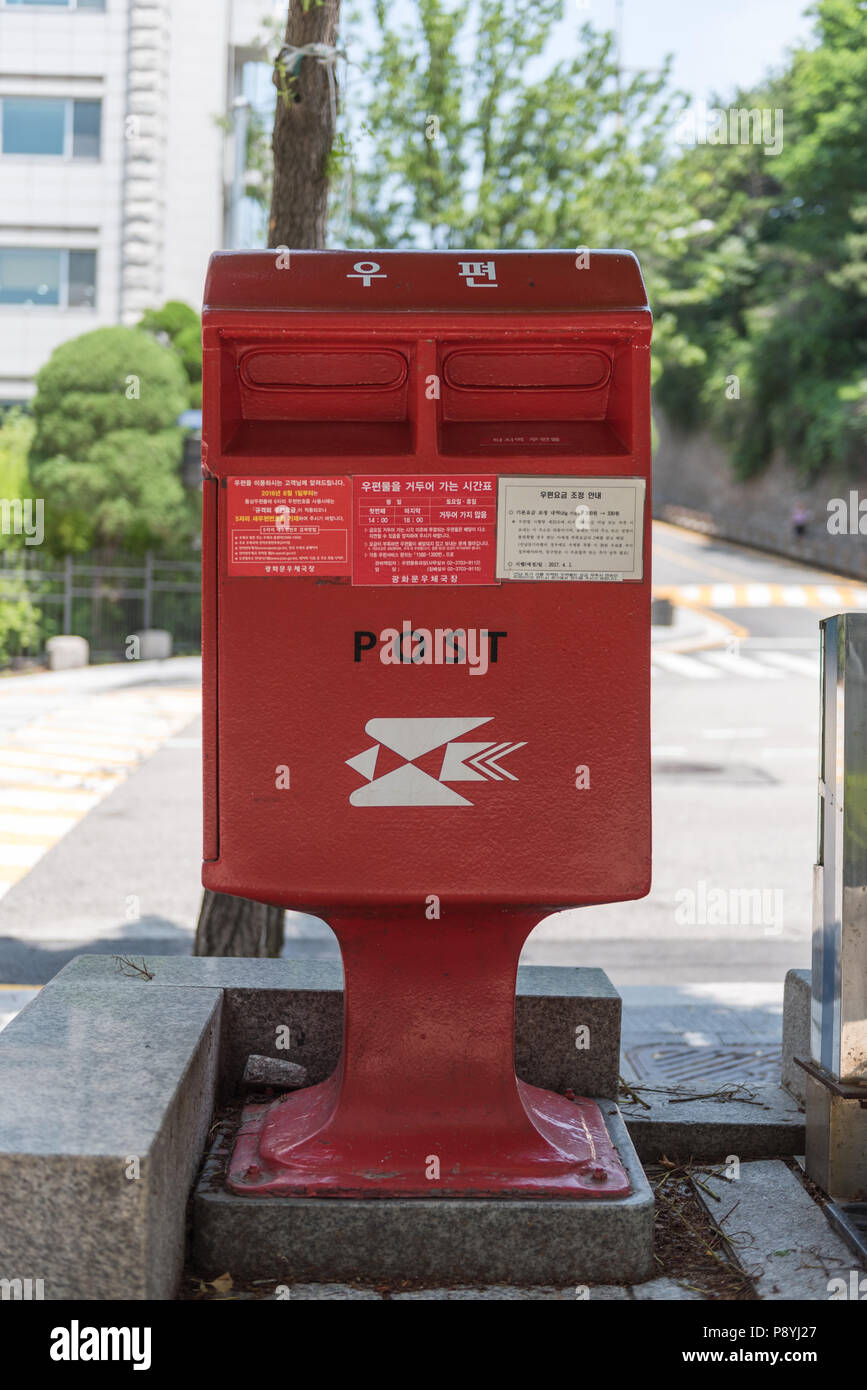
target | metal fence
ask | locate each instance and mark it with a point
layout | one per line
(104, 599)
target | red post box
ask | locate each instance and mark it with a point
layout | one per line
(427, 676)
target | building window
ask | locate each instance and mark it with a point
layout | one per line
(58, 279)
(86, 125)
(59, 126)
(58, 4)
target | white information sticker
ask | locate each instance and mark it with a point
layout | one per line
(589, 529)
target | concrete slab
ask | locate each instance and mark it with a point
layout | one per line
(796, 1031)
(780, 1235)
(302, 1001)
(567, 1029)
(487, 1241)
(106, 1090)
(109, 1081)
(766, 1123)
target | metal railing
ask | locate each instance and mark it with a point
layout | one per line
(105, 599)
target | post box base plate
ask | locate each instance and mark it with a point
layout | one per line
(433, 1240)
(298, 1146)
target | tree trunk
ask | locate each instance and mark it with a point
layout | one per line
(302, 140)
(237, 927)
(303, 129)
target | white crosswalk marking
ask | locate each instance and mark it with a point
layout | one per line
(682, 665)
(736, 665)
(21, 854)
(789, 661)
(759, 595)
(794, 596)
(714, 665)
(10, 824)
(57, 767)
(22, 799)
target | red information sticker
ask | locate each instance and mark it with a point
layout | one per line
(425, 529)
(289, 526)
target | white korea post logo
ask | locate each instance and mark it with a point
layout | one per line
(412, 738)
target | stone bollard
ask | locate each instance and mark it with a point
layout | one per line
(64, 653)
(661, 612)
(154, 644)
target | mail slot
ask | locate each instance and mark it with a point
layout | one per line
(322, 369)
(426, 658)
(523, 370)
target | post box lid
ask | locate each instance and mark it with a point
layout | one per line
(530, 281)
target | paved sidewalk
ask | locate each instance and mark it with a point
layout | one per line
(780, 1235)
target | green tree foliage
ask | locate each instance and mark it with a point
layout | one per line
(106, 450)
(19, 619)
(475, 134)
(773, 286)
(19, 622)
(16, 436)
(477, 137)
(179, 325)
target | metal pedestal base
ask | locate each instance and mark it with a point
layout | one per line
(296, 1147)
(425, 1100)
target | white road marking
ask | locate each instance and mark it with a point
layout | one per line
(735, 665)
(759, 596)
(801, 665)
(734, 733)
(682, 665)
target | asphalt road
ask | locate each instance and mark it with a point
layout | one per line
(100, 815)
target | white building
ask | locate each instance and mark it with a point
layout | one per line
(115, 169)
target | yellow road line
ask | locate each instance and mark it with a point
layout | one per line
(700, 566)
(755, 595)
(734, 628)
(703, 539)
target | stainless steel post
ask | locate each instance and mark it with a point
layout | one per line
(837, 1070)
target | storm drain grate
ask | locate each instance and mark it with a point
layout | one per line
(679, 1063)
